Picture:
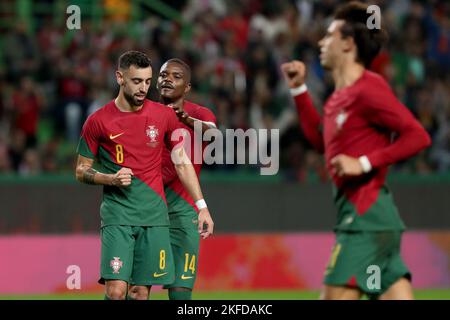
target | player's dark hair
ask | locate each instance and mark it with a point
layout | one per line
(368, 41)
(183, 65)
(135, 58)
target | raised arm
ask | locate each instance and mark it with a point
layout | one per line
(308, 117)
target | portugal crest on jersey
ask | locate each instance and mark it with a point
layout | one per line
(340, 119)
(116, 264)
(152, 133)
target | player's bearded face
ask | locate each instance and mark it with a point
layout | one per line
(136, 83)
(172, 83)
(133, 99)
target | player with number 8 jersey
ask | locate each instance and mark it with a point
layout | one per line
(126, 137)
(133, 140)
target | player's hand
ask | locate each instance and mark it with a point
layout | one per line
(179, 111)
(122, 178)
(183, 116)
(345, 166)
(294, 72)
(177, 107)
(205, 223)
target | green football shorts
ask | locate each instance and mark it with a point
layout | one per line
(137, 255)
(369, 261)
(185, 240)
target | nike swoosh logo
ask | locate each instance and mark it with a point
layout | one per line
(115, 136)
(183, 277)
(157, 275)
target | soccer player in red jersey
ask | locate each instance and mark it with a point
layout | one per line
(173, 85)
(355, 134)
(127, 137)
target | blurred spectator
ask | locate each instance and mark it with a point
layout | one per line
(440, 152)
(27, 103)
(73, 89)
(5, 160)
(20, 52)
(31, 163)
(17, 148)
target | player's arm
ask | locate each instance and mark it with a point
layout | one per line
(308, 117)
(190, 121)
(185, 118)
(85, 173)
(87, 151)
(391, 115)
(188, 177)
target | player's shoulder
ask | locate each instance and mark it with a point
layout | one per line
(101, 113)
(197, 110)
(159, 110)
(193, 106)
(152, 105)
(374, 79)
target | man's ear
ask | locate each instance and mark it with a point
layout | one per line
(119, 77)
(188, 88)
(349, 44)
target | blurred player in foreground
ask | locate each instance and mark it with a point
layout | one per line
(355, 134)
(173, 85)
(127, 137)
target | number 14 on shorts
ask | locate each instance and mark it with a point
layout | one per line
(189, 265)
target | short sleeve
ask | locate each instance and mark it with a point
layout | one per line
(89, 139)
(206, 115)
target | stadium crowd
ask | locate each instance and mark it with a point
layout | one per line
(52, 79)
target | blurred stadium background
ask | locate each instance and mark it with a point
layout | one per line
(273, 232)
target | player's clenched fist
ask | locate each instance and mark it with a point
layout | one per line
(346, 166)
(294, 72)
(122, 178)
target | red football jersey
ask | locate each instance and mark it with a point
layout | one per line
(169, 174)
(359, 120)
(133, 140)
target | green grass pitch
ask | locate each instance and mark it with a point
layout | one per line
(435, 294)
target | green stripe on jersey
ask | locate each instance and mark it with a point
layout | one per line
(135, 205)
(181, 213)
(83, 149)
(382, 214)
